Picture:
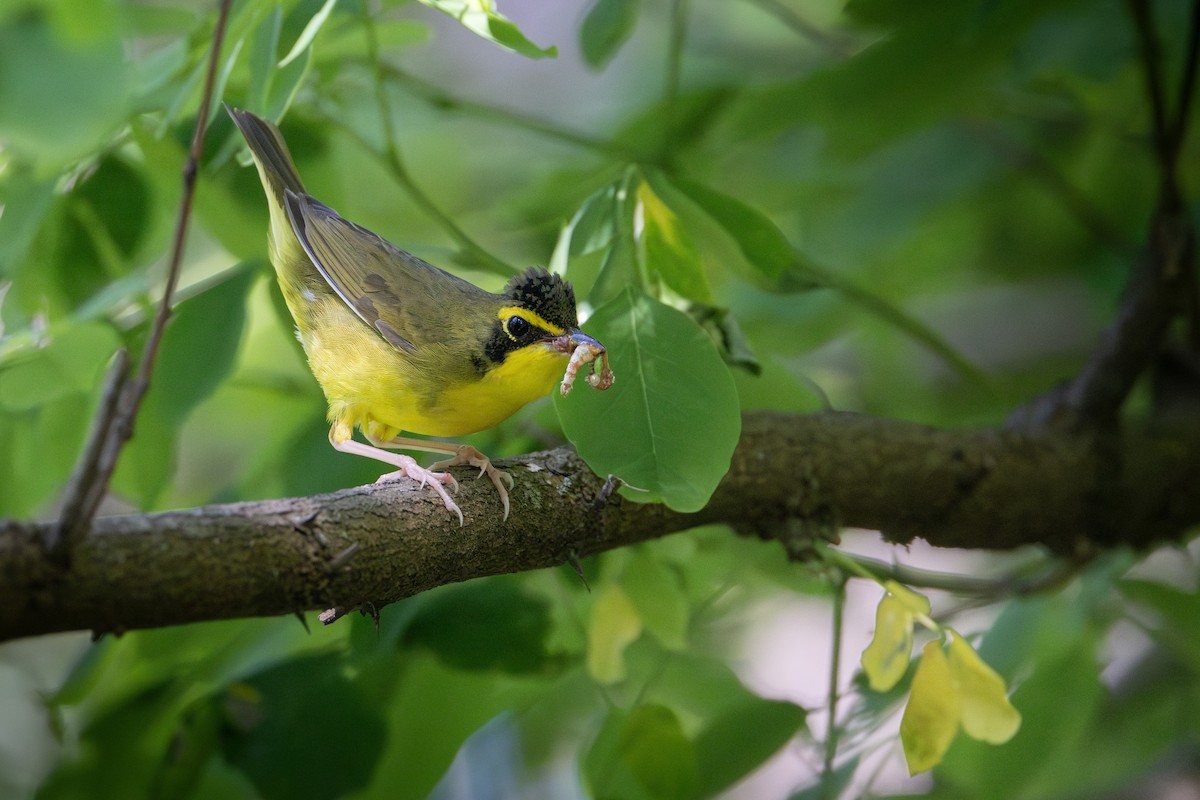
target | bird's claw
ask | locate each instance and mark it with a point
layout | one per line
(469, 456)
(436, 480)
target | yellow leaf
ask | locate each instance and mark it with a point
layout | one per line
(915, 602)
(886, 658)
(615, 625)
(931, 718)
(986, 713)
(668, 250)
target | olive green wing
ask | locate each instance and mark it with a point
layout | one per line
(390, 290)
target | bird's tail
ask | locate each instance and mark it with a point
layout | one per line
(270, 152)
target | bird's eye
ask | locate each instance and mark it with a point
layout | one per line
(516, 326)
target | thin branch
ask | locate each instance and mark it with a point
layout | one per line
(1187, 84)
(1151, 55)
(1018, 583)
(990, 489)
(115, 418)
(835, 669)
(1042, 170)
(86, 487)
(1162, 284)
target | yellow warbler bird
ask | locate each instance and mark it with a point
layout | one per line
(400, 345)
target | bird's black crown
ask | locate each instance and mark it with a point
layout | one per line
(546, 294)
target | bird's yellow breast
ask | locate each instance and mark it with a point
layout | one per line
(370, 384)
(524, 376)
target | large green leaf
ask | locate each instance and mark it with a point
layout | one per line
(669, 424)
(289, 723)
(605, 28)
(198, 350)
(61, 95)
(642, 755)
(740, 740)
(759, 239)
(667, 249)
(483, 625)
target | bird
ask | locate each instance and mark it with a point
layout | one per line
(399, 345)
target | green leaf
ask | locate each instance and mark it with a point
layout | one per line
(591, 229)
(670, 385)
(658, 598)
(737, 742)
(339, 43)
(483, 625)
(199, 348)
(481, 17)
(667, 249)
(309, 694)
(642, 755)
(614, 625)
(1060, 703)
(759, 239)
(262, 57)
(434, 709)
(311, 29)
(1179, 610)
(61, 96)
(605, 28)
(71, 361)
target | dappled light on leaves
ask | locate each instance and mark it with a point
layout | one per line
(614, 625)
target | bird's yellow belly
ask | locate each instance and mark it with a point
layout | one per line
(523, 377)
(370, 384)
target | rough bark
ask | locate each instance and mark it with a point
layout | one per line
(369, 546)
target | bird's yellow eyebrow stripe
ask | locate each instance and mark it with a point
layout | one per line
(532, 317)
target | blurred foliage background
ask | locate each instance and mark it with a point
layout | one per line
(920, 210)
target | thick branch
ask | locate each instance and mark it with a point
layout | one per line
(372, 545)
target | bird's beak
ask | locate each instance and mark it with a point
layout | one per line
(569, 341)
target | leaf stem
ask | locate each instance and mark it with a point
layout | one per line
(835, 666)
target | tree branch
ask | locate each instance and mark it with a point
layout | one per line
(373, 545)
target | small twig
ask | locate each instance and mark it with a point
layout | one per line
(1151, 54)
(341, 559)
(1162, 285)
(1040, 168)
(114, 421)
(1018, 583)
(835, 668)
(79, 499)
(1187, 85)
(576, 565)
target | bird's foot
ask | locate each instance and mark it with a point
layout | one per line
(438, 481)
(468, 455)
